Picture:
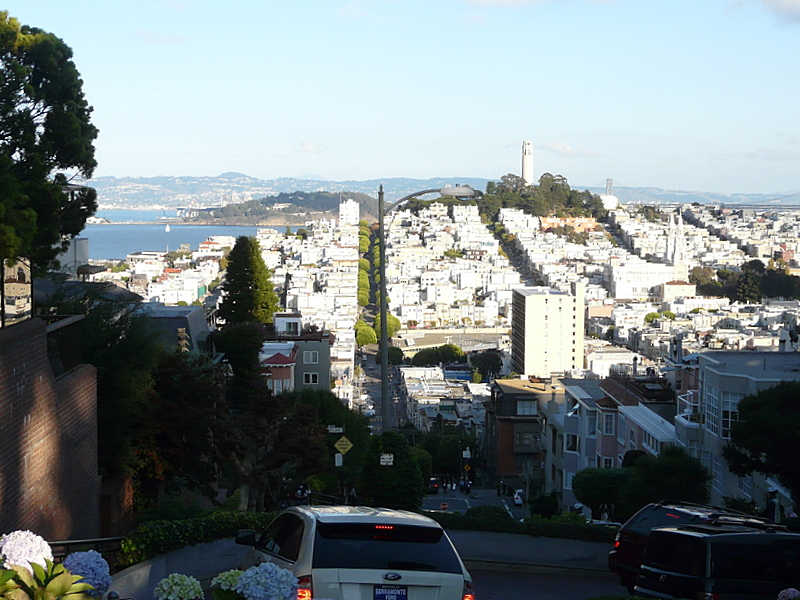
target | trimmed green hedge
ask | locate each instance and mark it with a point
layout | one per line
(160, 537)
(483, 518)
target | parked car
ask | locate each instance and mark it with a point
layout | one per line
(519, 497)
(626, 556)
(722, 562)
(350, 552)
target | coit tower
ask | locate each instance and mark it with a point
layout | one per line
(527, 162)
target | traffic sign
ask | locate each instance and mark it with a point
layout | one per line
(343, 445)
(467, 467)
(387, 460)
(443, 505)
(335, 429)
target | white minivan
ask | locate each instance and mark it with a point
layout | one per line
(362, 553)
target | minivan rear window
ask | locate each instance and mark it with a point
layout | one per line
(768, 562)
(379, 546)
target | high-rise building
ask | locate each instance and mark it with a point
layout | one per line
(349, 212)
(527, 162)
(547, 330)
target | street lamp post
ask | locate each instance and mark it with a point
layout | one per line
(383, 347)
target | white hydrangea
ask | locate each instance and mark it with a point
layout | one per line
(267, 581)
(178, 587)
(22, 548)
(227, 580)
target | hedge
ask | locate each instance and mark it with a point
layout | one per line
(160, 537)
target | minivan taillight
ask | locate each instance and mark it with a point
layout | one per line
(304, 590)
(469, 591)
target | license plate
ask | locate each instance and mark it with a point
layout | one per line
(391, 592)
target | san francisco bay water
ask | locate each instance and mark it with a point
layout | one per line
(135, 230)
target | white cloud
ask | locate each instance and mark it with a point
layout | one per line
(774, 155)
(565, 150)
(308, 148)
(788, 10)
(521, 2)
(151, 37)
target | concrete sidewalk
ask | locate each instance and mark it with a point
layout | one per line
(478, 549)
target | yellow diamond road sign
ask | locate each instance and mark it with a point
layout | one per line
(343, 445)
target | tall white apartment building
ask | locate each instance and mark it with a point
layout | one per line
(547, 330)
(349, 212)
(635, 279)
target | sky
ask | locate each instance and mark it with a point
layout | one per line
(695, 95)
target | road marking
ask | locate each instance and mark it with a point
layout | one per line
(508, 510)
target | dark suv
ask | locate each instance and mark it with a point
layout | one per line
(629, 545)
(721, 562)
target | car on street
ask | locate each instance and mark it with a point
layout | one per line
(629, 546)
(434, 485)
(356, 552)
(519, 497)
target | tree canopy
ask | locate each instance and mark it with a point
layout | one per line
(46, 139)
(764, 439)
(249, 293)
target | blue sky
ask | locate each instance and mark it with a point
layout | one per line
(698, 95)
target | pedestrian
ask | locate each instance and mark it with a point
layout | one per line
(771, 508)
(301, 495)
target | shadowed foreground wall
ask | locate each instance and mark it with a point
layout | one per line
(48, 439)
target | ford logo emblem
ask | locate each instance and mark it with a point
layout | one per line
(392, 576)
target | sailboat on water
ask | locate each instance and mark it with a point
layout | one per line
(167, 228)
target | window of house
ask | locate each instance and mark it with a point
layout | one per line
(746, 486)
(524, 438)
(572, 443)
(712, 411)
(632, 444)
(608, 423)
(310, 357)
(719, 474)
(608, 462)
(526, 407)
(592, 421)
(310, 378)
(730, 412)
(278, 386)
(287, 384)
(568, 475)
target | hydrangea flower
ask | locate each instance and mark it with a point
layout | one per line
(93, 568)
(227, 580)
(267, 581)
(178, 587)
(22, 548)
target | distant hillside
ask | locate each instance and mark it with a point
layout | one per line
(235, 188)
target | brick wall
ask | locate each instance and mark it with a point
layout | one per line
(48, 440)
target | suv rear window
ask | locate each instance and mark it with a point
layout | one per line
(773, 562)
(658, 517)
(378, 546)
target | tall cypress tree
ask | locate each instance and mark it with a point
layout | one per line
(250, 296)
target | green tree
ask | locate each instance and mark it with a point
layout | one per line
(396, 356)
(650, 317)
(599, 489)
(393, 325)
(46, 138)
(249, 293)
(451, 353)
(187, 395)
(748, 287)
(488, 363)
(448, 455)
(363, 297)
(365, 336)
(673, 475)
(763, 438)
(427, 357)
(397, 486)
